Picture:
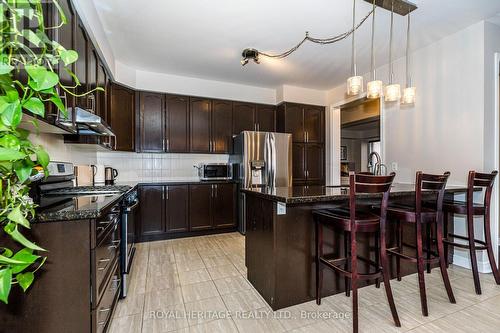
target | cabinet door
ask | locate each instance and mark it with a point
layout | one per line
(295, 122)
(224, 206)
(315, 164)
(200, 203)
(151, 210)
(265, 117)
(200, 125)
(176, 203)
(101, 101)
(177, 124)
(152, 122)
(243, 117)
(222, 120)
(92, 79)
(298, 163)
(81, 64)
(65, 36)
(122, 117)
(313, 123)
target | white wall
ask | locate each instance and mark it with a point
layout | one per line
(287, 93)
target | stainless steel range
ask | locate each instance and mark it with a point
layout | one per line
(57, 194)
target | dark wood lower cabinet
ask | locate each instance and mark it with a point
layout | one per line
(169, 211)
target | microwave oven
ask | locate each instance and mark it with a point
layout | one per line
(215, 171)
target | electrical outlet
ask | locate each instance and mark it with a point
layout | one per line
(394, 166)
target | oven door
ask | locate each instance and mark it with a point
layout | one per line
(128, 248)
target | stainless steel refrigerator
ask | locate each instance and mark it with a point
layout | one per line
(261, 159)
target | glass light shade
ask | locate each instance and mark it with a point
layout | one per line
(354, 85)
(374, 89)
(392, 93)
(409, 95)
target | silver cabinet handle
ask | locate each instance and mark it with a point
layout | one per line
(168, 145)
(167, 190)
(216, 189)
(91, 100)
(163, 144)
(105, 310)
(163, 193)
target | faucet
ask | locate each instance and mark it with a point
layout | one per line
(377, 168)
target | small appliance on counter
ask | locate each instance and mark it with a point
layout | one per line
(215, 171)
(110, 175)
(99, 178)
(84, 175)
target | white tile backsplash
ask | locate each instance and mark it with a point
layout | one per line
(155, 167)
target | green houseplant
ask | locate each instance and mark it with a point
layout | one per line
(28, 81)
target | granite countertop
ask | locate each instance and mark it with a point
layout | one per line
(311, 194)
(82, 207)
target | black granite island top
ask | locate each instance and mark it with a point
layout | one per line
(312, 194)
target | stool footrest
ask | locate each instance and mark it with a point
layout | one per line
(333, 263)
(480, 247)
(395, 251)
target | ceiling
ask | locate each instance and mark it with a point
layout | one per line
(204, 39)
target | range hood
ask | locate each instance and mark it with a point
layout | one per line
(88, 123)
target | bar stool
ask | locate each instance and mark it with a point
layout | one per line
(351, 220)
(421, 214)
(471, 209)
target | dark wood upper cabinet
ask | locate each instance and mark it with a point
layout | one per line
(299, 168)
(314, 123)
(81, 64)
(243, 117)
(222, 120)
(200, 207)
(152, 210)
(295, 122)
(151, 122)
(92, 104)
(315, 163)
(122, 116)
(65, 36)
(200, 135)
(265, 117)
(101, 96)
(224, 206)
(176, 208)
(177, 108)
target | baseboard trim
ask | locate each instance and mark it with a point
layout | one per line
(464, 261)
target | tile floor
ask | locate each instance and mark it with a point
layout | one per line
(199, 285)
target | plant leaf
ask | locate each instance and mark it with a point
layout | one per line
(10, 261)
(12, 230)
(42, 79)
(31, 37)
(68, 56)
(5, 66)
(64, 20)
(10, 141)
(35, 106)
(25, 279)
(27, 256)
(60, 105)
(12, 114)
(42, 157)
(17, 216)
(7, 154)
(5, 284)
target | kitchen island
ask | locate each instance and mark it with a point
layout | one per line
(279, 243)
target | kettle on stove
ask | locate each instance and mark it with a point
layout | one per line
(110, 175)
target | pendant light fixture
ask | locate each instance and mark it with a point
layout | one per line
(355, 82)
(409, 93)
(374, 88)
(392, 90)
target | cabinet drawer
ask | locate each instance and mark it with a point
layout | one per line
(101, 316)
(105, 256)
(104, 224)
